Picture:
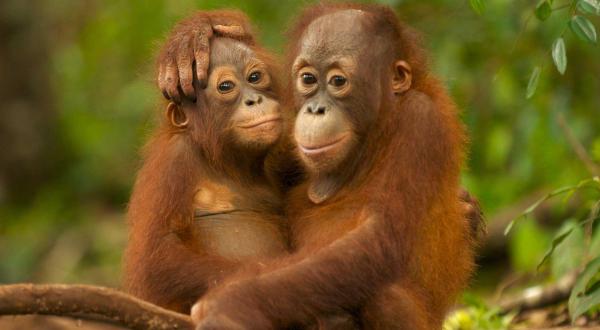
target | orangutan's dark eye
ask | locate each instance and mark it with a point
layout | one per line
(337, 81)
(226, 86)
(254, 77)
(308, 78)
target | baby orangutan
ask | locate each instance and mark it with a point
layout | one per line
(202, 203)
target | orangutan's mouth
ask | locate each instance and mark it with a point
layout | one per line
(262, 122)
(318, 149)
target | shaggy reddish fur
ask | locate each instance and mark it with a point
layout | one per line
(392, 246)
(161, 265)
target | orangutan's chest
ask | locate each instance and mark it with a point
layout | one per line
(236, 226)
(320, 226)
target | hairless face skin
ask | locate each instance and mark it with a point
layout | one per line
(338, 81)
(239, 80)
(324, 72)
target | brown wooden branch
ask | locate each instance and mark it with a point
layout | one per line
(541, 296)
(85, 301)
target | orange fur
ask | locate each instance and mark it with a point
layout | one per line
(173, 256)
(392, 246)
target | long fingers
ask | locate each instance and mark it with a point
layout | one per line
(231, 31)
(464, 195)
(201, 45)
(162, 81)
(176, 70)
(172, 80)
(184, 65)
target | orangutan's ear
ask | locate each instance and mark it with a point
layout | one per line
(176, 116)
(402, 79)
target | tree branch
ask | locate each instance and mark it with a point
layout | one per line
(540, 296)
(85, 301)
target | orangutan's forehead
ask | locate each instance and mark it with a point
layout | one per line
(341, 32)
(224, 51)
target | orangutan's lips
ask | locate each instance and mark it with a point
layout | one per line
(262, 122)
(314, 150)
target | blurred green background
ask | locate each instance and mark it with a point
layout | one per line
(79, 99)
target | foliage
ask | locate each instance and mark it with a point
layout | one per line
(580, 25)
(582, 299)
(583, 242)
(534, 80)
(559, 55)
(586, 292)
(477, 316)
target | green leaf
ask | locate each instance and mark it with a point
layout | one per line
(589, 6)
(569, 254)
(593, 183)
(583, 28)
(543, 10)
(594, 246)
(525, 252)
(559, 55)
(535, 205)
(585, 294)
(510, 226)
(477, 6)
(559, 238)
(533, 81)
